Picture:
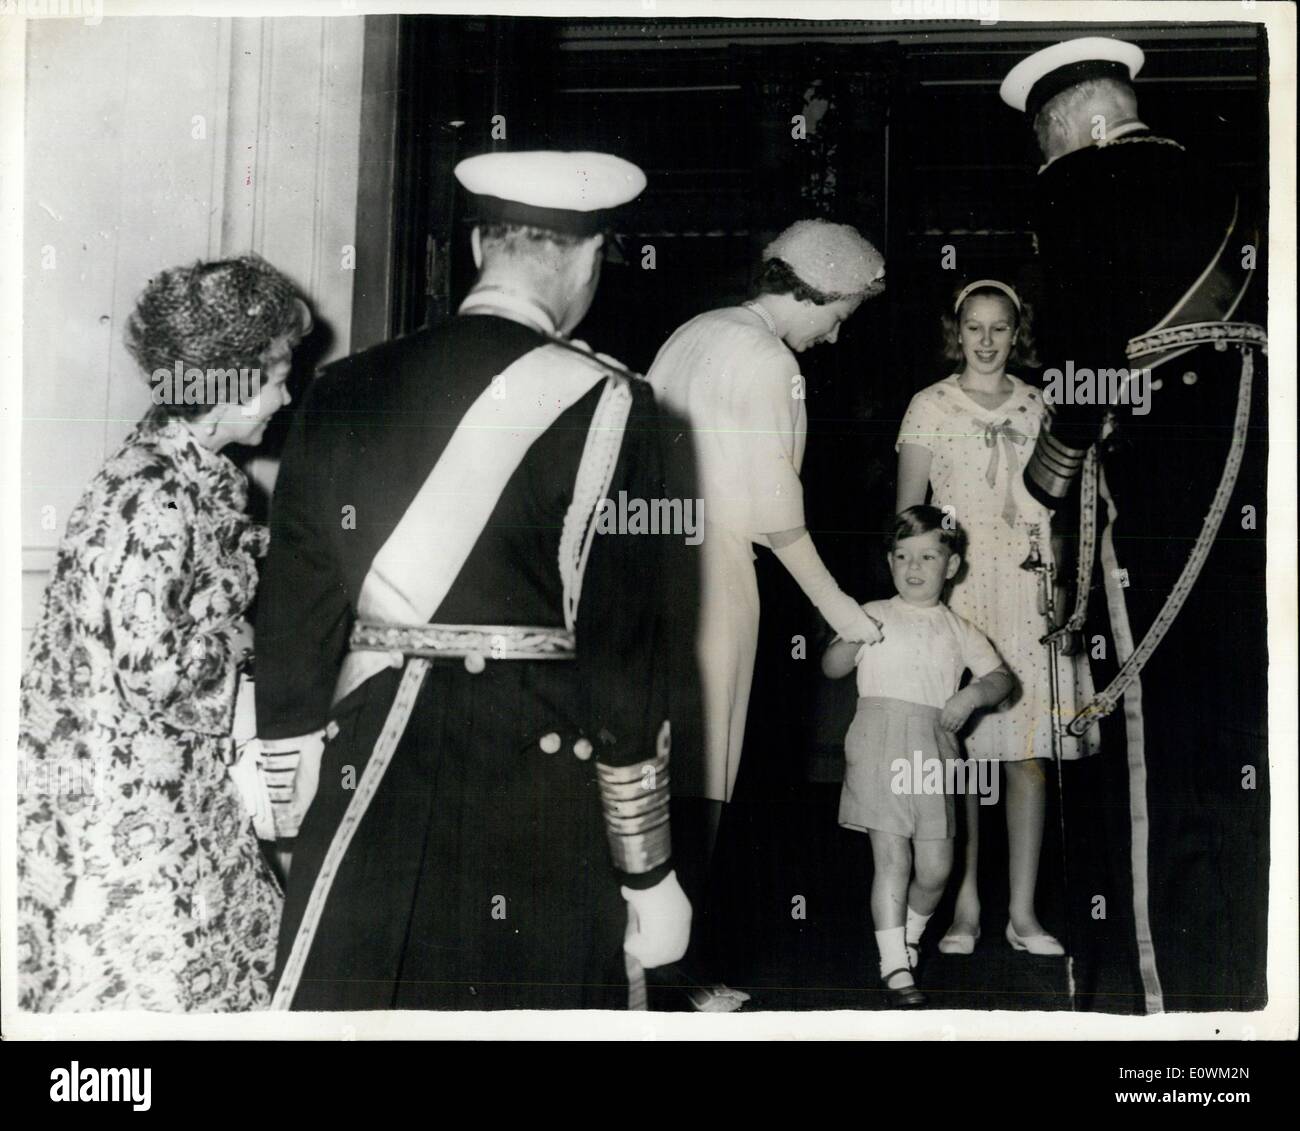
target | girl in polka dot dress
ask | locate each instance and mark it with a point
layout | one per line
(967, 438)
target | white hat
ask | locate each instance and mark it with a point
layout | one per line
(563, 192)
(832, 258)
(1033, 81)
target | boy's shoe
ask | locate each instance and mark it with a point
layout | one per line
(716, 999)
(904, 997)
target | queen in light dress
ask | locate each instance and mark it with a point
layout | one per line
(968, 438)
(141, 882)
(733, 375)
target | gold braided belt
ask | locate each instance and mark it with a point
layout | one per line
(1155, 346)
(474, 643)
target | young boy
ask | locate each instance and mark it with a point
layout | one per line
(909, 702)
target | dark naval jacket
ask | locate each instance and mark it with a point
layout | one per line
(480, 875)
(1169, 824)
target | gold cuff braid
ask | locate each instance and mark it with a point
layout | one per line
(1053, 466)
(635, 802)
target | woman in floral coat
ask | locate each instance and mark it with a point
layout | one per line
(141, 883)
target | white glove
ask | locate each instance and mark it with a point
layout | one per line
(841, 611)
(247, 776)
(658, 922)
(291, 767)
(861, 652)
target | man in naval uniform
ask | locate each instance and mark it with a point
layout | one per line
(472, 682)
(1145, 263)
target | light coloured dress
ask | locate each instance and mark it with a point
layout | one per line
(739, 387)
(140, 881)
(977, 456)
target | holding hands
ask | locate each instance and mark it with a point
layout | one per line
(865, 628)
(794, 549)
(872, 636)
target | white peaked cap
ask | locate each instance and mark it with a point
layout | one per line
(563, 192)
(1036, 79)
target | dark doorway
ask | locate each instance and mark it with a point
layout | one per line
(904, 137)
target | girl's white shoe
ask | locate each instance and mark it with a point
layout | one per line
(1046, 945)
(958, 942)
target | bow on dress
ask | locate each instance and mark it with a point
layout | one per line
(1011, 438)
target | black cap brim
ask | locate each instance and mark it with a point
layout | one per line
(1052, 83)
(569, 222)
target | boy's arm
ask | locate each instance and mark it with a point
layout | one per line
(840, 658)
(987, 691)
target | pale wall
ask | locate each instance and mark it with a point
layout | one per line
(152, 142)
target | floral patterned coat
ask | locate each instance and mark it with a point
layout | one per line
(141, 884)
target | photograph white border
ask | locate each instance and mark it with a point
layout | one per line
(1277, 1021)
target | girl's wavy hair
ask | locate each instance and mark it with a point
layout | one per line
(1024, 352)
(222, 314)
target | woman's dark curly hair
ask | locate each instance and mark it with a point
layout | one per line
(778, 278)
(1024, 352)
(222, 314)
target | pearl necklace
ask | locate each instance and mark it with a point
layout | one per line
(761, 311)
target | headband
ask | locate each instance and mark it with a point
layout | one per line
(966, 290)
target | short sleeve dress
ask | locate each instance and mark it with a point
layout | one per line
(739, 389)
(140, 881)
(977, 457)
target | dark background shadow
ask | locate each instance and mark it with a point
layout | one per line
(908, 141)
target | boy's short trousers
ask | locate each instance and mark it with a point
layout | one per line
(880, 795)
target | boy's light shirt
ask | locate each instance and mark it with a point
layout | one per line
(923, 654)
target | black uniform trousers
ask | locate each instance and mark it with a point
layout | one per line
(479, 877)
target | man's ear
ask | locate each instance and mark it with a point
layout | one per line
(476, 248)
(954, 564)
(1062, 126)
(589, 262)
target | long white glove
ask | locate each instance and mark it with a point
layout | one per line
(841, 611)
(658, 922)
(291, 767)
(246, 773)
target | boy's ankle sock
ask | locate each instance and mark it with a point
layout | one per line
(893, 952)
(913, 931)
(915, 926)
